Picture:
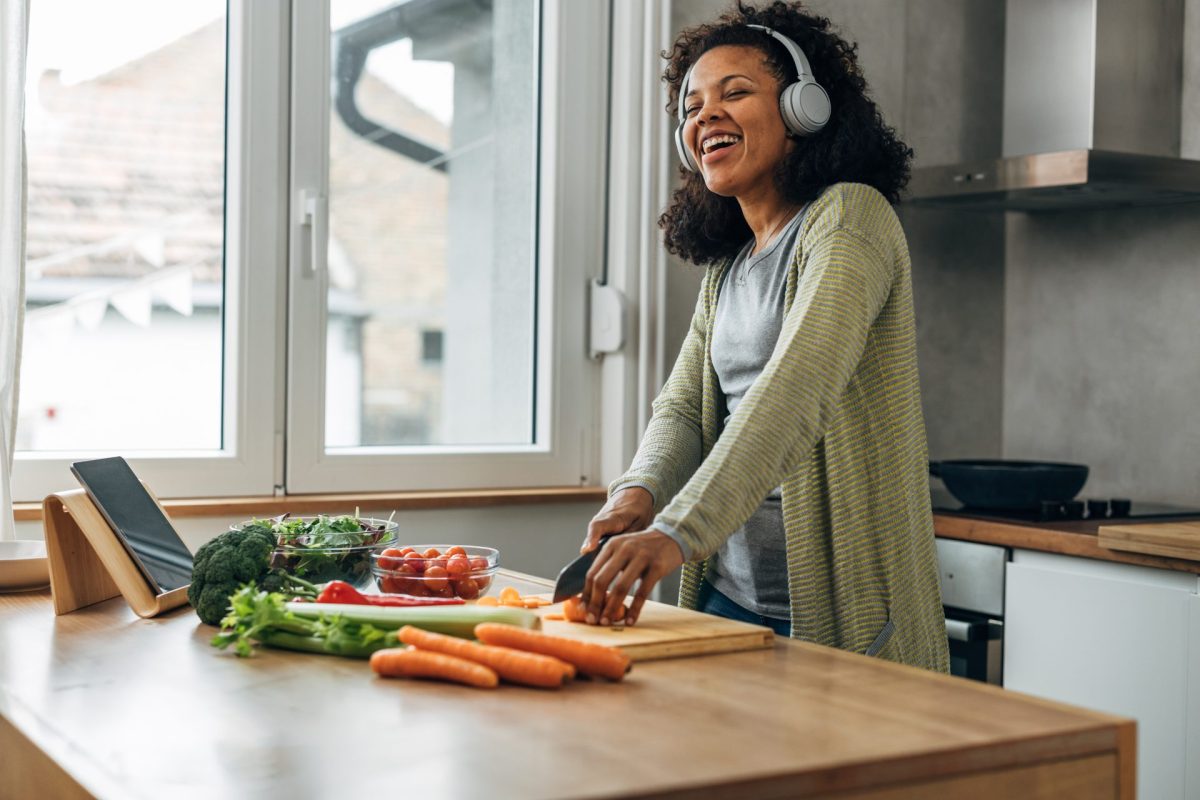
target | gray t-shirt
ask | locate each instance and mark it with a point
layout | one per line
(751, 567)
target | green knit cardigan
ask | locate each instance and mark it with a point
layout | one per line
(835, 419)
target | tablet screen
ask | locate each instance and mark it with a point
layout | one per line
(138, 521)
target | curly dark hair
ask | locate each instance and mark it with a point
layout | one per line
(855, 145)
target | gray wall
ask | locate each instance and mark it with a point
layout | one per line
(950, 112)
(1102, 360)
(1071, 335)
(1102, 335)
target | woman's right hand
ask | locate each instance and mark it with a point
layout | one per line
(631, 509)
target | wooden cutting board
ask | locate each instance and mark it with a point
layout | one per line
(665, 631)
(1173, 539)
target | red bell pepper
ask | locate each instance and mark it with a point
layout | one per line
(343, 593)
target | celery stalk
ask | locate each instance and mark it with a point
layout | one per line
(451, 620)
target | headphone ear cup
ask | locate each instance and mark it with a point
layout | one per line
(685, 155)
(805, 107)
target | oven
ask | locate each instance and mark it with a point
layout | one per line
(972, 579)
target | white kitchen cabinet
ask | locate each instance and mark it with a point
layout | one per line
(1192, 751)
(1115, 638)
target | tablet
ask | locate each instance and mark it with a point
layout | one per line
(139, 522)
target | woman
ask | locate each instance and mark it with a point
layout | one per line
(785, 463)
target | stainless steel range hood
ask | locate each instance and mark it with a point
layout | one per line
(1093, 94)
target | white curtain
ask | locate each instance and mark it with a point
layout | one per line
(14, 37)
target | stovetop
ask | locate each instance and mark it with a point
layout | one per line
(1096, 510)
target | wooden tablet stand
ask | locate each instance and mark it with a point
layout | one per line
(88, 564)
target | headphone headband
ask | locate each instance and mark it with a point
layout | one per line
(803, 70)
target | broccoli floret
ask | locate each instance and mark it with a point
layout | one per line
(232, 560)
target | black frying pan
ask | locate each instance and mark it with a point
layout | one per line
(998, 483)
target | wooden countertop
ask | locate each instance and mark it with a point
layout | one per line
(1074, 538)
(101, 702)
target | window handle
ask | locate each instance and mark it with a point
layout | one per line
(314, 215)
(607, 329)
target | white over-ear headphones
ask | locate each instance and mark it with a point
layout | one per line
(804, 105)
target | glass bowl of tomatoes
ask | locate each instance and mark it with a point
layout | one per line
(436, 570)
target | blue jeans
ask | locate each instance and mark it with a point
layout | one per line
(717, 604)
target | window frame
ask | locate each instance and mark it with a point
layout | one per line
(572, 130)
(273, 397)
(247, 463)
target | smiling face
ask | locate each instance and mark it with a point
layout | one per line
(733, 126)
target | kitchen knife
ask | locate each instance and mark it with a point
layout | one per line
(574, 575)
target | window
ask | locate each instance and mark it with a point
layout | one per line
(448, 181)
(135, 270)
(432, 201)
(126, 158)
(371, 257)
(431, 347)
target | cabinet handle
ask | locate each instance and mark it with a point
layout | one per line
(958, 630)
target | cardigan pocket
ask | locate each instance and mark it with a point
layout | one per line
(881, 640)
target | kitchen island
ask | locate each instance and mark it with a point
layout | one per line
(101, 703)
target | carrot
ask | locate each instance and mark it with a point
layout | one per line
(510, 593)
(554, 617)
(488, 601)
(531, 602)
(516, 666)
(399, 662)
(574, 610)
(590, 658)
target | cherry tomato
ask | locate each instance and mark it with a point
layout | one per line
(435, 578)
(432, 552)
(455, 551)
(483, 582)
(466, 588)
(436, 562)
(458, 566)
(478, 563)
(416, 564)
(389, 584)
(390, 558)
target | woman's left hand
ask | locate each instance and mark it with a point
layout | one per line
(644, 557)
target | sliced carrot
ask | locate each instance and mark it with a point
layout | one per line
(531, 602)
(509, 593)
(554, 617)
(488, 601)
(515, 666)
(542, 601)
(590, 658)
(399, 662)
(574, 610)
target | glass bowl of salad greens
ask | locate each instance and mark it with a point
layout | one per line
(327, 548)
